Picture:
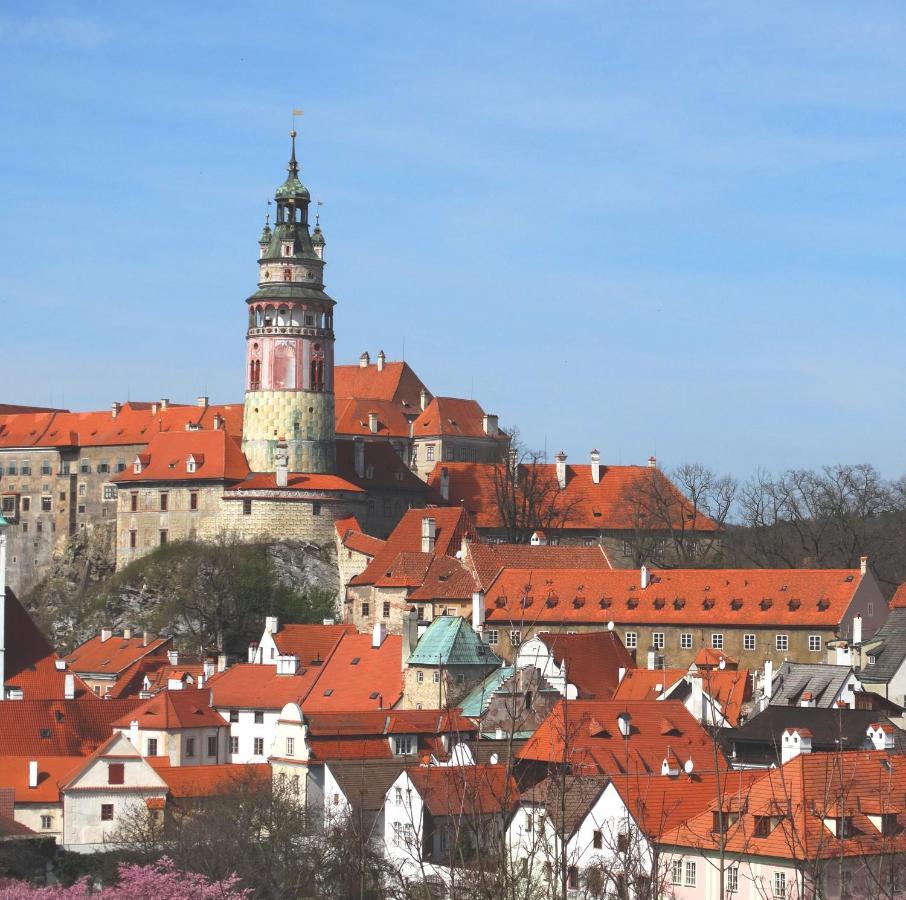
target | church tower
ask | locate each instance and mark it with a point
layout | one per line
(289, 344)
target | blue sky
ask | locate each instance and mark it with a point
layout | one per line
(646, 227)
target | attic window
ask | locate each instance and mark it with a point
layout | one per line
(373, 695)
(632, 603)
(526, 601)
(500, 602)
(794, 604)
(679, 603)
(736, 603)
(708, 603)
(328, 692)
(766, 603)
(823, 604)
(659, 603)
(354, 661)
(191, 465)
(551, 601)
(849, 577)
(605, 602)
(578, 602)
(45, 733)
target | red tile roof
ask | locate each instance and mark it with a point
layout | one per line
(406, 570)
(486, 560)
(798, 796)
(352, 418)
(647, 684)
(216, 454)
(40, 728)
(384, 470)
(708, 658)
(482, 789)
(593, 740)
(446, 579)
(296, 481)
(310, 643)
(250, 686)
(593, 660)
(452, 417)
(898, 601)
(397, 382)
(211, 781)
(583, 504)
(361, 723)
(52, 772)
(30, 661)
(451, 525)
(170, 710)
(751, 597)
(352, 537)
(115, 655)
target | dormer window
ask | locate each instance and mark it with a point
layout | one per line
(287, 248)
(191, 465)
(137, 466)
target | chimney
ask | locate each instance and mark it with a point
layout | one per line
(423, 399)
(651, 660)
(378, 634)
(60, 665)
(698, 699)
(287, 665)
(106, 634)
(767, 687)
(445, 483)
(806, 699)
(164, 403)
(621, 674)
(624, 723)
(222, 662)
(857, 630)
(281, 459)
(863, 564)
(561, 469)
(202, 401)
(428, 533)
(218, 422)
(133, 733)
(489, 424)
(410, 635)
(127, 634)
(146, 638)
(381, 359)
(272, 624)
(373, 422)
(794, 742)
(69, 686)
(153, 409)
(364, 360)
(538, 539)
(173, 657)
(208, 668)
(644, 578)
(32, 773)
(253, 651)
(652, 462)
(358, 450)
(477, 610)
(115, 410)
(595, 467)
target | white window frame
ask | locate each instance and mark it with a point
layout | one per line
(781, 642)
(814, 643)
(435, 676)
(631, 640)
(717, 641)
(419, 676)
(690, 870)
(732, 879)
(676, 871)
(749, 641)
(778, 883)
(515, 637)
(493, 637)
(290, 746)
(657, 640)
(685, 640)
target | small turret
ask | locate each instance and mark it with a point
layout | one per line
(317, 241)
(266, 233)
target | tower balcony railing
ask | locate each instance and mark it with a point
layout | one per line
(297, 330)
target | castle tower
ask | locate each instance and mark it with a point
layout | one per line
(289, 345)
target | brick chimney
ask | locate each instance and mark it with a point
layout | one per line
(490, 424)
(164, 403)
(32, 773)
(595, 467)
(378, 635)
(69, 686)
(106, 634)
(202, 401)
(863, 564)
(423, 399)
(410, 635)
(373, 422)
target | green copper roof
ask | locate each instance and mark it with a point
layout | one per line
(450, 641)
(3, 521)
(476, 701)
(292, 187)
(265, 235)
(281, 290)
(317, 236)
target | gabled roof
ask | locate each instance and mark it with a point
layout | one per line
(211, 781)
(171, 710)
(451, 525)
(365, 782)
(252, 686)
(587, 735)
(296, 481)
(216, 456)
(353, 538)
(823, 681)
(888, 646)
(52, 771)
(453, 417)
(593, 660)
(487, 560)
(451, 641)
(476, 701)
(755, 597)
(582, 503)
(352, 418)
(116, 654)
(310, 643)
(568, 802)
(482, 789)
(446, 579)
(396, 382)
(384, 470)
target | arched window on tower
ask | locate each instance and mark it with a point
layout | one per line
(282, 317)
(287, 274)
(255, 375)
(268, 316)
(259, 317)
(316, 369)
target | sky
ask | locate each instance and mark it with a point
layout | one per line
(646, 227)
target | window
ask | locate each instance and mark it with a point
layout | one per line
(106, 812)
(676, 871)
(782, 642)
(366, 609)
(429, 453)
(163, 536)
(597, 840)
(316, 508)
(733, 879)
(258, 748)
(717, 642)
(46, 822)
(190, 747)
(689, 879)
(657, 640)
(780, 884)
(109, 492)
(259, 716)
(26, 503)
(11, 467)
(403, 746)
(493, 636)
(290, 746)
(193, 500)
(627, 548)
(871, 660)
(151, 747)
(234, 744)
(590, 542)
(133, 539)
(572, 878)
(436, 676)
(103, 467)
(84, 466)
(386, 610)
(685, 640)
(116, 773)
(632, 640)
(46, 504)
(121, 465)
(45, 467)
(814, 643)
(748, 642)
(871, 608)
(515, 637)
(133, 501)
(419, 676)
(212, 745)
(388, 506)
(234, 715)
(246, 507)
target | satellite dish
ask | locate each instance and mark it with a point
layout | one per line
(688, 767)
(494, 758)
(722, 664)
(610, 626)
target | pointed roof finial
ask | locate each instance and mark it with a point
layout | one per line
(293, 167)
(267, 216)
(318, 213)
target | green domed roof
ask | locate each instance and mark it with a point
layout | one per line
(292, 187)
(317, 237)
(266, 235)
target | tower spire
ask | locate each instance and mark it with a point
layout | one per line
(293, 167)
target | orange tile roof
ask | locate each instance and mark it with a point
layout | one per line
(30, 662)
(751, 597)
(217, 457)
(583, 504)
(708, 658)
(898, 601)
(452, 417)
(310, 642)
(296, 481)
(593, 740)
(798, 796)
(40, 728)
(115, 655)
(52, 772)
(358, 676)
(361, 723)
(451, 525)
(384, 466)
(211, 781)
(250, 686)
(407, 570)
(486, 560)
(647, 684)
(170, 710)
(593, 660)
(446, 579)
(352, 418)
(481, 789)
(397, 382)
(353, 538)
